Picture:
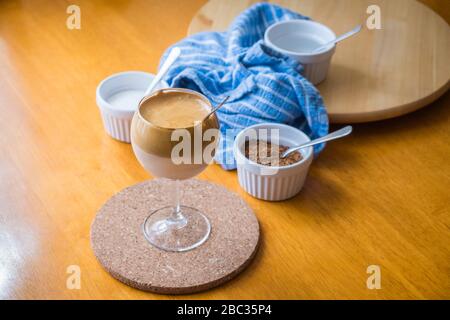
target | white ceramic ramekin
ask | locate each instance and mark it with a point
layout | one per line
(278, 182)
(294, 38)
(117, 119)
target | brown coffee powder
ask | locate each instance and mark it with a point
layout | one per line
(269, 154)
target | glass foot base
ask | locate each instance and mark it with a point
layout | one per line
(186, 232)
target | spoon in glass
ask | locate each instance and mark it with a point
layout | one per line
(331, 136)
(355, 30)
(217, 108)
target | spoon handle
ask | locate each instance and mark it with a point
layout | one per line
(340, 38)
(218, 107)
(173, 55)
(334, 135)
(348, 34)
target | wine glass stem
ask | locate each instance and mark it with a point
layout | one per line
(177, 216)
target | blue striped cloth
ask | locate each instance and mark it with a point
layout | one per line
(263, 85)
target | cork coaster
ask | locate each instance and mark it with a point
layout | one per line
(121, 248)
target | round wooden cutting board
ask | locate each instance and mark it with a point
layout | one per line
(377, 74)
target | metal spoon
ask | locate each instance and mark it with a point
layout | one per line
(173, 56)
(217, 108)
(334, 135)
(340, 38)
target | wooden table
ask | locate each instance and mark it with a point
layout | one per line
(380, 197)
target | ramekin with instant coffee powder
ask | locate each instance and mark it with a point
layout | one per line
(272, 182)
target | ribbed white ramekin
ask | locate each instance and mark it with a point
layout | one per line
(117, 120)
(281, 35)
(272, 183)
(316, 72)
(116, 127)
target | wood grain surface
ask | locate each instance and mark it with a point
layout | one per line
(392, 71)
(379, 197)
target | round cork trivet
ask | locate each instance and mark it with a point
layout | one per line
(121, 248)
